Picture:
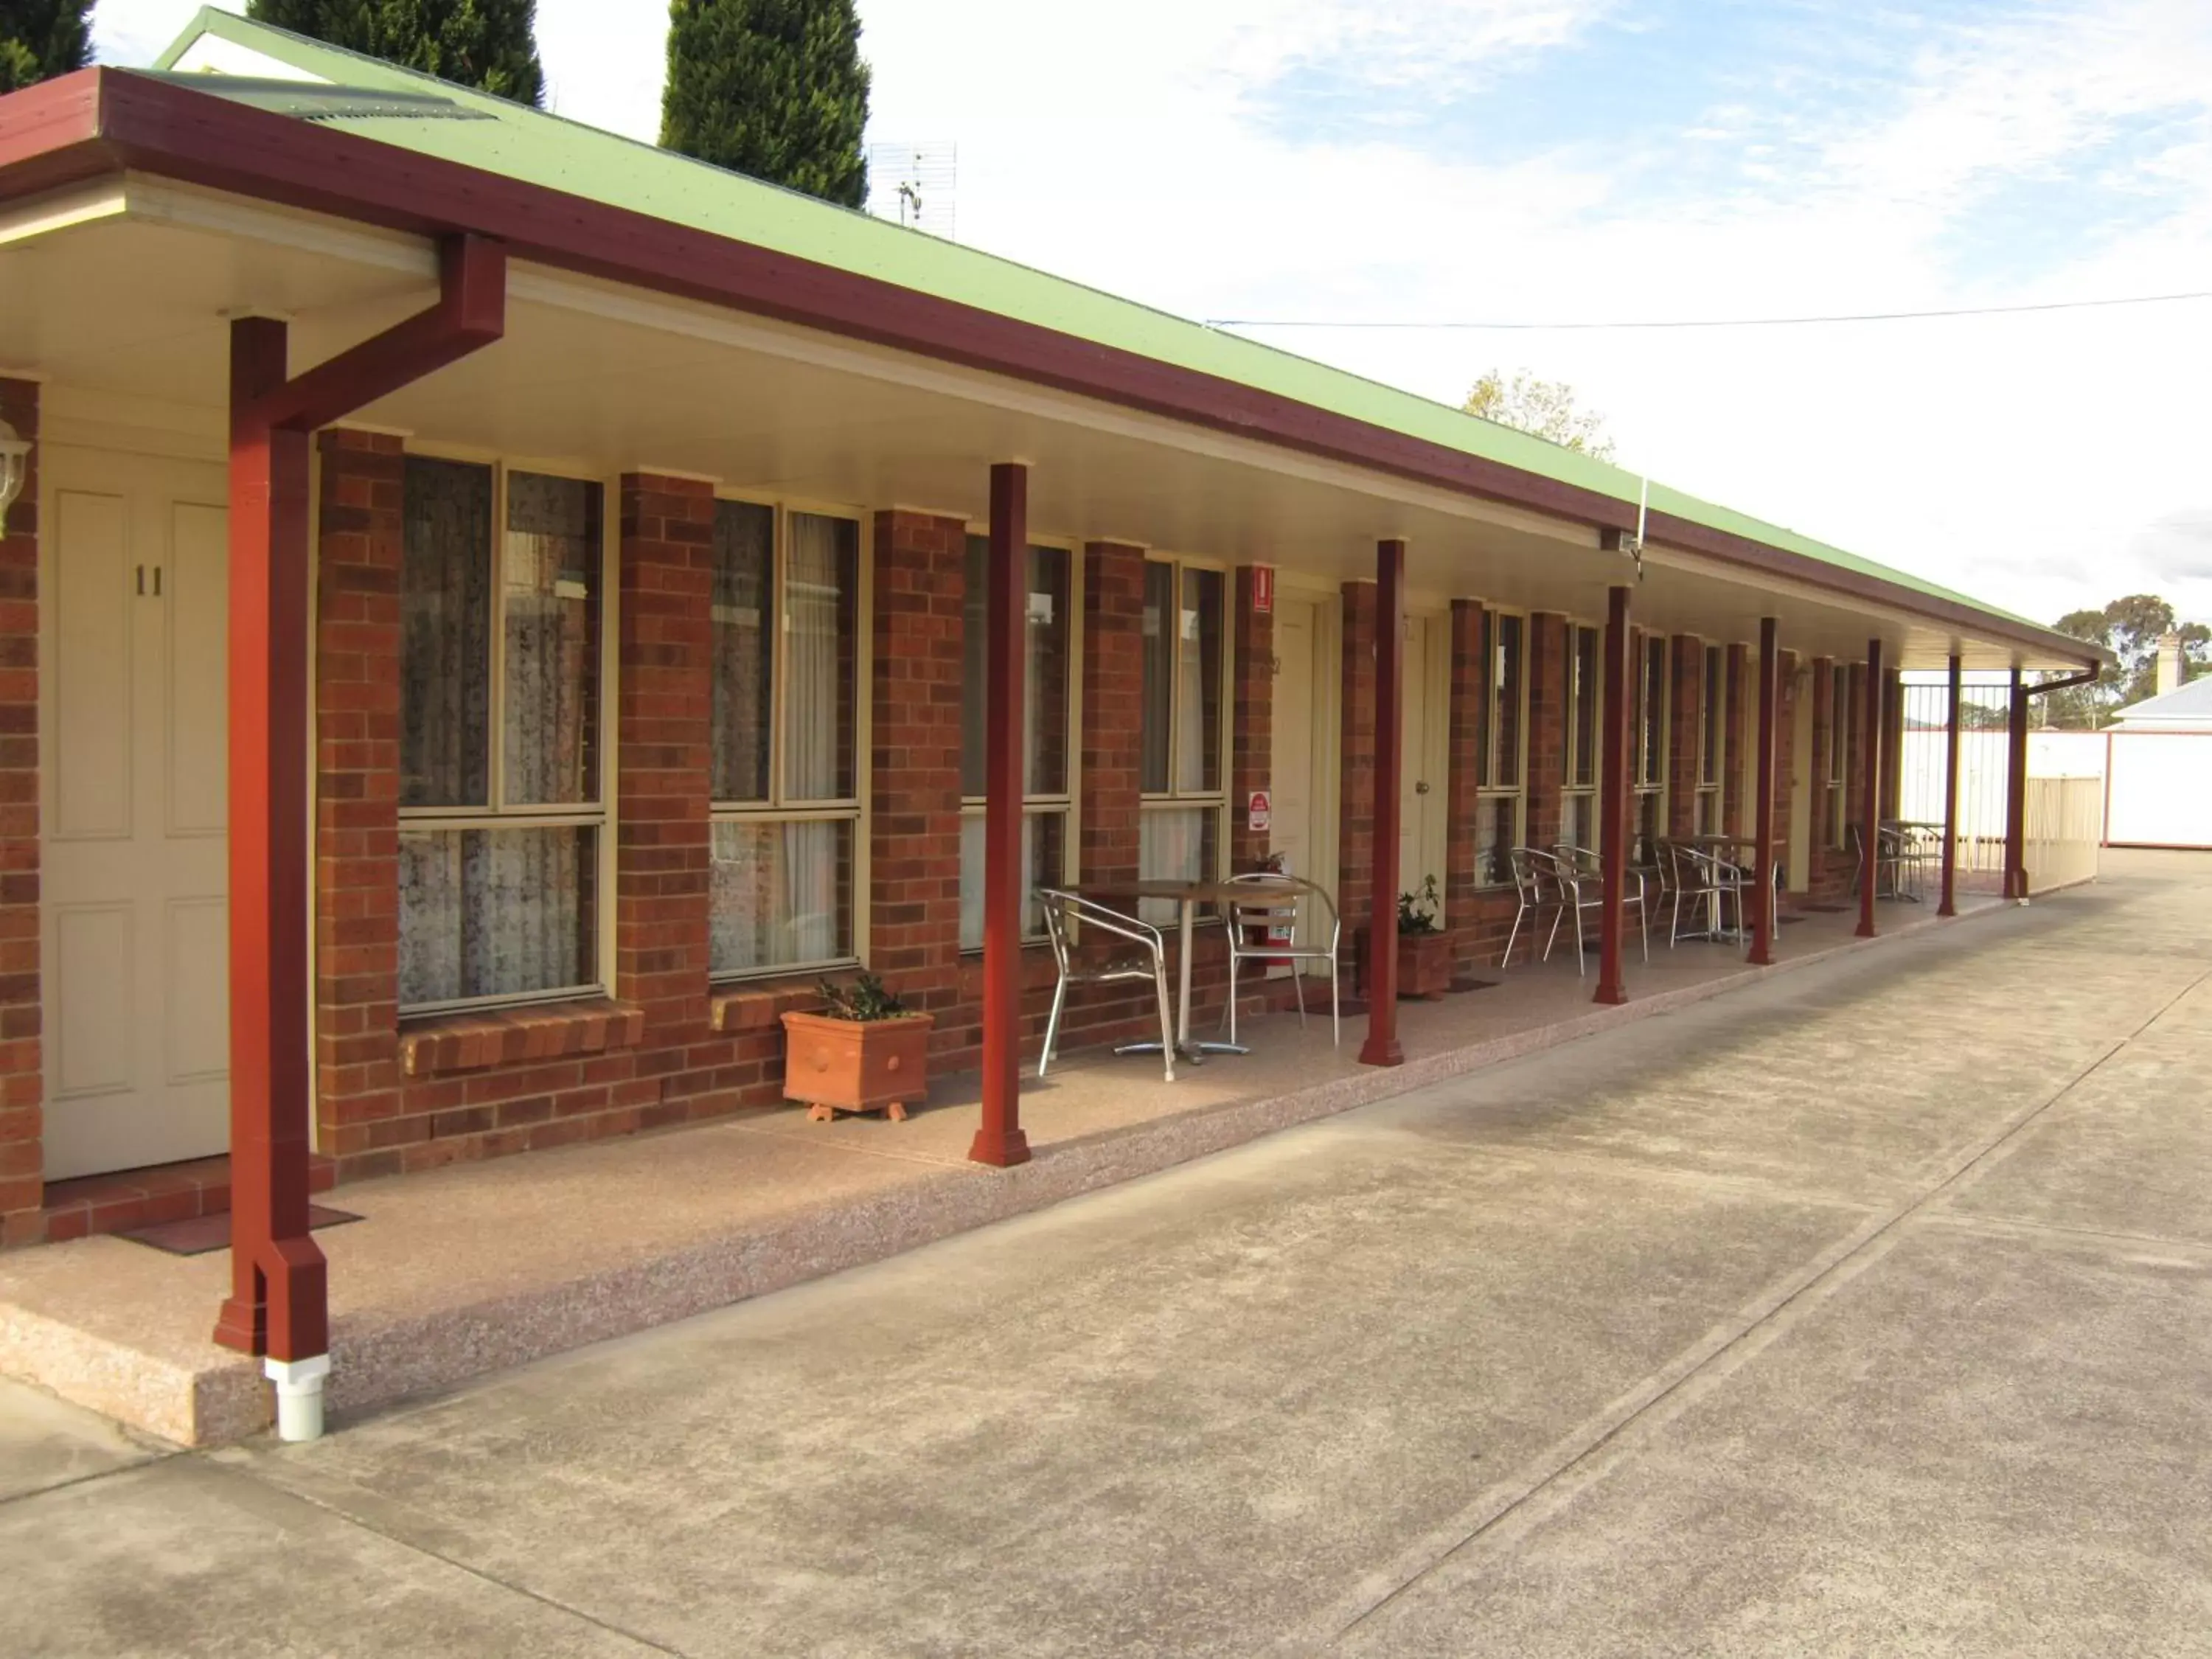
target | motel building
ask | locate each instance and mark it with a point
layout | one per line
(495, 613)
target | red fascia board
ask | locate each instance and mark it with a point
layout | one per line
(102, 120)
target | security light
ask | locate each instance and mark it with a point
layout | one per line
(15, 467)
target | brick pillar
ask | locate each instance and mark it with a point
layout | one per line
(913, 927)
(358, 671)
(1739, 781)
(1252, 731)
(22, 1123)
(1113, 744)
(664, 714)
(1355, 841)
(1854, 751)
(1547, 737)
(1462, 776)
(1685, 674)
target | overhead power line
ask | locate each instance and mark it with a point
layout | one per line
(1712, 322)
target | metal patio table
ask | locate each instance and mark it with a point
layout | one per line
(1187, 895)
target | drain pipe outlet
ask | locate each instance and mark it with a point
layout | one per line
(299, 1395)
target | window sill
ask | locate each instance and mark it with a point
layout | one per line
(757, 1005)
(474, 1041)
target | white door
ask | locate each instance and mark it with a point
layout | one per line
(136, 946)
(1304, 717)
(1799, 785)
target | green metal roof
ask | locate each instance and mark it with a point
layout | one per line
(516, 142)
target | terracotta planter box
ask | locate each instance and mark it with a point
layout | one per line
(856, 1065)
(1425, 964)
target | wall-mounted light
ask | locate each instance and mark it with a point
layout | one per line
(14, 468)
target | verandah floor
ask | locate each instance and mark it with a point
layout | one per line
(476, 1266)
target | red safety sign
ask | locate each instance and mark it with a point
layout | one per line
(1260, 811)
(1263, 590)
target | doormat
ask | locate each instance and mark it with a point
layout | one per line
(1828, 910)
(1474, 985)
(203, 1233)
(1786, 920)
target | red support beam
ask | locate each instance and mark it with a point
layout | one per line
(279, 1304)
(999, 1138)
(2015, 870)
(1770, 698)
(1871, 792)
(1381, 1047)
(1950, 904)
(1612, 801)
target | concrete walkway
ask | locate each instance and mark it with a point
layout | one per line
(1868, 1309)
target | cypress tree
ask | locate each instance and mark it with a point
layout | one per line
(42, 38)
(489, 44)
(771, 88)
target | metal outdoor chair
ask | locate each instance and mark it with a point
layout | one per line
(1705, 879)
(1532, 872)
(1580, 876)
(1888, 861)
(1064, 914)
(1278, 904)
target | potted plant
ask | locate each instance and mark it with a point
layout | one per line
(864, 1049)
(1425, 952)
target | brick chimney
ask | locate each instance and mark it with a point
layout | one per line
(2169, 664)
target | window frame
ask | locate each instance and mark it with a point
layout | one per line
(1571, 753)
(1216, 800)
(779, 808)
(1710, 811)
(1065, 803)
(1486, 787)
(497, 813)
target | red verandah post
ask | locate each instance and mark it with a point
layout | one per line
(999, 1138)
(1870, 800)
(1770, 698)
(1950, 904)
(278, 1303)
(1612, 801)
(2015, 871)
(1381, 1047)
(279, 1306)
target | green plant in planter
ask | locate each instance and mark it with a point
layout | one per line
(865, 999)
(1417, 911)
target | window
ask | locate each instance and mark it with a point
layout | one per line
(1181, 829)
(1046, 765)
(1578, 821)
(1841, 726)
(1712, 740)
(500, 794)
(1648, 775)
(784, 761)
(1501, 790)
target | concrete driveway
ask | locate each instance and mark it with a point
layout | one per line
(1868, 1310)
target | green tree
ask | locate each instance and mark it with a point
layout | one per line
(2130, 628)
(776, 88)
(489, 44)
(1546, 408)
(40, 39)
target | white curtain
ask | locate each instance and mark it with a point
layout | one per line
(486, 913)
(780, 893)
(817, 692)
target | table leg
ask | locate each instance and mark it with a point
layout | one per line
(1182, 969)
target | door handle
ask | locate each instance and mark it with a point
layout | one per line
(1421, 787)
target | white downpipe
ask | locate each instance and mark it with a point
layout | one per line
(299, 1395)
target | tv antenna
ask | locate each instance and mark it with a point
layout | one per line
(912, 184)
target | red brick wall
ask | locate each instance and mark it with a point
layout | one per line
(1252, 745)
(357, 649)
(1113, 708)
(22, 1067)
(914, 939)
(1686, 677)
(1462, 776)
(1739, 772)
(1355, 834)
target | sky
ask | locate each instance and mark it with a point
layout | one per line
(1486, 162)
